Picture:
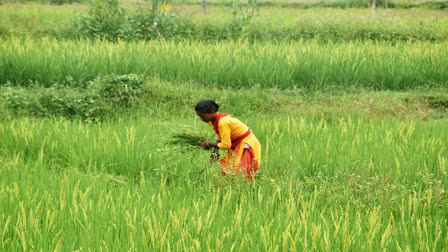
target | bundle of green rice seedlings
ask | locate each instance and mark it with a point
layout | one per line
(188, 138)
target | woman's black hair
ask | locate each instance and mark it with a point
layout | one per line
(206, 106)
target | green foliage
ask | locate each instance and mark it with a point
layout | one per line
(340, 171)
(337, 4)
(436, 5)
(320, 24)
(337, 28)
(52, 2)
(355, 175)
(122, 90)
(437, 101)
(101, 99)
(157, 97)
(186, 138)
(61, 2)
(348, 184)
(55, 101)
(106, 20)
(242, 16)
(303, 64)
(168, 24)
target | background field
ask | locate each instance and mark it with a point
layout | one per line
(271, 23)
(350, 109)
(309, 64)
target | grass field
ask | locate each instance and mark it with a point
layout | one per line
(292, 24)
(353, 134)
(347, 171)
(308, 64)
(339, 185)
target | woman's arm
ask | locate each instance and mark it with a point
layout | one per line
(208, 144)
(224, 134)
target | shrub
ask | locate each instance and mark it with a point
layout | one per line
(106, 20)
(100, 100)
(122, 90)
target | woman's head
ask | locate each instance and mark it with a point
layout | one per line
(206, 110)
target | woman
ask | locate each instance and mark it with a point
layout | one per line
(243, 149)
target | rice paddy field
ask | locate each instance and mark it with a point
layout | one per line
(300, 64)
(97, 137)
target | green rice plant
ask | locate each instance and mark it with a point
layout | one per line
(339, 171)
(187, 139)
(48, 205)
(125, 147)
(303, 64)
(324, 24)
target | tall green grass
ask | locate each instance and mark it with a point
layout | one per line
(293, 147)
(347, 171)
(272, 24)
(38, 21)
(310, 64)
(323, 185)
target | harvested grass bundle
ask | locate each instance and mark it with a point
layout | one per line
(188, 138)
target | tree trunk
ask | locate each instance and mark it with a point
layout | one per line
(373, 7)
(204, 5)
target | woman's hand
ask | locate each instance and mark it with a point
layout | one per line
(214, 156)
(207, 144)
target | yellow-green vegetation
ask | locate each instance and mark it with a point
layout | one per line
(98, 134)
(37, 21)
(344, 184)
(133, 93)
(310, 64)
(189, 22)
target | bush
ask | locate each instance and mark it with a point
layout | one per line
(100, 100)
(140, 26)
(106, 20)
(122, 90)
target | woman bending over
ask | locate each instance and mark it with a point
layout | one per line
(243, 148)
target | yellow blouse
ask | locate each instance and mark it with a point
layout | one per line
(232, 128)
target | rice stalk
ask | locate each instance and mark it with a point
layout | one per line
(187, 138)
